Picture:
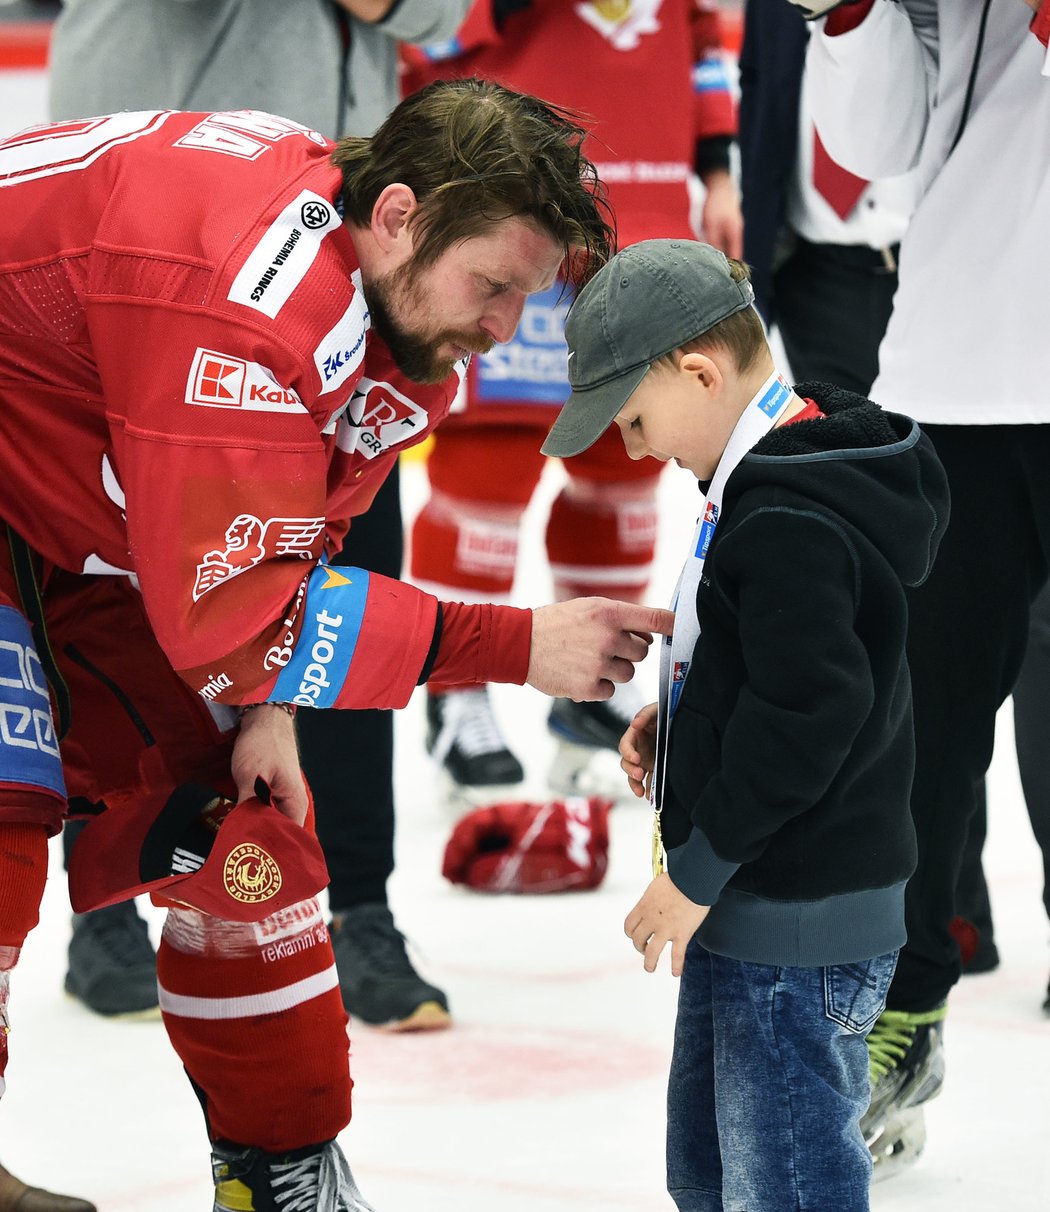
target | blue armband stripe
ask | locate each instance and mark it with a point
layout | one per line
(333, 609)
(710, 76)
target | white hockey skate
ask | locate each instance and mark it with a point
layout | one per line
(587, 761)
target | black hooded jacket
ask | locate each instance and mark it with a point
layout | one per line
(791, 752)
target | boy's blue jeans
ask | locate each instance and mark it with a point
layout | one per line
(769, 1079)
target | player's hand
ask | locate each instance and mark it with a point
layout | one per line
(582, 647)
(638, 749)
(663, 915)
(721, 220)
(266, 749)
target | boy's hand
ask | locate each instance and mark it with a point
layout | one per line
(638, 749)
(663, 915)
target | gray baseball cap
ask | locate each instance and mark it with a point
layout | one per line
(649, 299)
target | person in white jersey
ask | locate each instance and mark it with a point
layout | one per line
(957, 91)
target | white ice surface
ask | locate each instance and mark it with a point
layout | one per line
(547, 1095)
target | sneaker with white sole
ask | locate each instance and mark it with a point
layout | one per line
(376, 978)
(17, 1196)
(112, 965)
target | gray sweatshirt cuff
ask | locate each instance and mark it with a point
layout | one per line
(424, 21)
(696, 871)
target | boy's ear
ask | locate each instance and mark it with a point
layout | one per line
(705, 369)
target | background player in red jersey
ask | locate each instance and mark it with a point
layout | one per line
(650, 78)
(197, 333)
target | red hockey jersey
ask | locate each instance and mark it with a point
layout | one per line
(648, 79)
(189, 392)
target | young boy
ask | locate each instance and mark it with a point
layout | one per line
(784, 762)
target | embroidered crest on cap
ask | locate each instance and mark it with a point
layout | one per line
(250, 874)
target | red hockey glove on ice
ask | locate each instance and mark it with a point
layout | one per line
(527, 847)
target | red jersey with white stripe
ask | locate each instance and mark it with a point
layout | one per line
(648, 80)
(190, 392)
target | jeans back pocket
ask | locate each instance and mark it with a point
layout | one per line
(855, 994)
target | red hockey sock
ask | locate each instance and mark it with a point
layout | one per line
(601, 538)
(23, 873)
(465, 549)
(255, 1013)
(465, 540)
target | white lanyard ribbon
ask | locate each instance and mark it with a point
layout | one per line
(758, 418)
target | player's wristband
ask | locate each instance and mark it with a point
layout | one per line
(288, 708)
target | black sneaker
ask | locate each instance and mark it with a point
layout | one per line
(16, 1196)
(906, 1061)
(1046, 1003)
(464, 739)
(376, 977)
(112, 964)
(314, 1179)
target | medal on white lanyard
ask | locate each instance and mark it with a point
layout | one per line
(757, 419)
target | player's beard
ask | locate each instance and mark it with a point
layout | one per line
(415, 353)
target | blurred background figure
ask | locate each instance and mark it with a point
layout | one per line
(649, 77)
(944, 88)
(822, 243)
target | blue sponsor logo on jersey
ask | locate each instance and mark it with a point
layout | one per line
(28, 744)
(710, 75)
(437, 51)
(332, 613)
(533, 366)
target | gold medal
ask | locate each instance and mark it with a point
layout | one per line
(658, 846)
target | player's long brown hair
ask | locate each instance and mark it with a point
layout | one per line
(475, 153)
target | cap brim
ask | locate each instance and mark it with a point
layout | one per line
(255, 863)
(588, 413)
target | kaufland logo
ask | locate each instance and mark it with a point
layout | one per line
(219, 380)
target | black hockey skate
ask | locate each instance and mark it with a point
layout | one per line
(314, 1179)
(906, 1059)
(465, 742)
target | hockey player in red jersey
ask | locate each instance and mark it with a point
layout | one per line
(649, 75)
(217, 331)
